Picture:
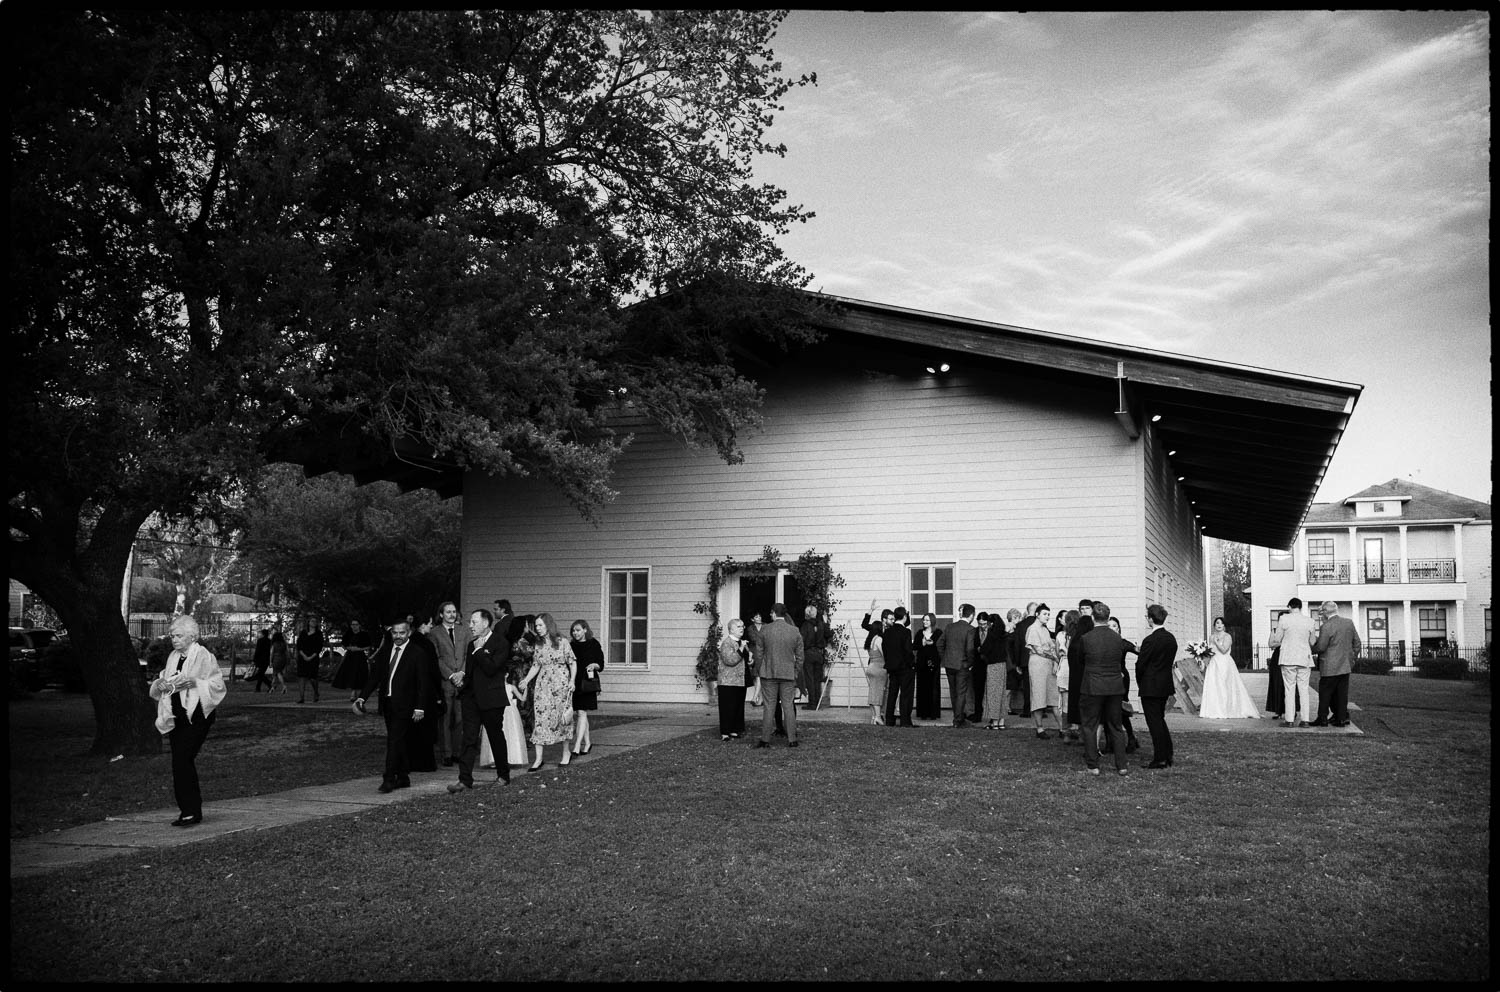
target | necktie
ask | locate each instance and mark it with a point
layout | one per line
(451, 641)
(395, 660)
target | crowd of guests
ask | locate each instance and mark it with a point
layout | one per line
(1053, 671)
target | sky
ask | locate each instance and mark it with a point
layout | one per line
(1301, 191)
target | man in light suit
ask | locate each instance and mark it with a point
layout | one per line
(400, 671)
(960, 649)
(780, 665)
(1153, 682)
(1294, 634)
(451, 642)
(1336, 647)
(481, 693)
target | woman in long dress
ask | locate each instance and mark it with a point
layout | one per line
(1041, 671)
(354, 669)
(1224, 695)
(876, 677)
(553, 672)
(927, 644)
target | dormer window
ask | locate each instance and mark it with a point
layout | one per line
(1379, 507)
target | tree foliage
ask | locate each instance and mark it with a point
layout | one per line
(245, 237)
(349, 552)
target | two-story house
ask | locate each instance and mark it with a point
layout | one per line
(1408, 563)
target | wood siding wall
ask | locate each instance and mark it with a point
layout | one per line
(1035, 496)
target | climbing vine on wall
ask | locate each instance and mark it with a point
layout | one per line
(815, 577)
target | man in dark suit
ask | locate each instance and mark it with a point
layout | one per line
(481, 693)
(1075, 668)
(960, 650)
(815, 638)
(900, 667)
(1103, 690)
(1153, 683)
(1336, 647)
(512, 627)
(400, 672)
(450, 639)
(780, 666)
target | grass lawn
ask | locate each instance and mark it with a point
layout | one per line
(869, 853)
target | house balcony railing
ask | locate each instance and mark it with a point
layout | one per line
(1358, 571)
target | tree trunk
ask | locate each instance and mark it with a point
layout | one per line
(124, 713)
(85, 593)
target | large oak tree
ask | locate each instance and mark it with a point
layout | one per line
(325, 237)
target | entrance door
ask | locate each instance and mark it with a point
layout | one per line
(758, 592)
(1377, 632)
(1374, 559)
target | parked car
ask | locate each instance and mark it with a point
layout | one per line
(28, 650)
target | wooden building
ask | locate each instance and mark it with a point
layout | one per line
(936, 461)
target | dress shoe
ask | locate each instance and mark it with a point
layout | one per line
(1093, 771)
(187, 821)
(1303, 723)
(1319, 723)
(403, 783)
(1159, 764)
(760, 744)
(454, 787)
(1287, 723)
(908, 724)
(1122, 771)
(503, 780)
(795, 744)
(1338, 723)
(387, 787)
(1132, 747)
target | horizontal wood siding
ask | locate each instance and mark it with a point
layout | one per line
(1032, 495)
(1173, 551)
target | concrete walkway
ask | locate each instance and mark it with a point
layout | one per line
(652, 724)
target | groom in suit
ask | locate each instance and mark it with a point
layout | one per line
(400, 671)
(960, 650)
(1153, 683)
(481, 693)
(1294, 635)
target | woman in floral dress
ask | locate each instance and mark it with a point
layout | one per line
(553, 672)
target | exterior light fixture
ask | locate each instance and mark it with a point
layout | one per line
(1172, 453)
(1181, 477)
(1155, 417)
(943, 367)
(931, 370)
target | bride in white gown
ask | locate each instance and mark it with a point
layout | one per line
(1224, 695)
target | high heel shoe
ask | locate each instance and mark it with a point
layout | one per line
(536, 767)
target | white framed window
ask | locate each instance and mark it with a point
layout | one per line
(627, 616)
(932, 588)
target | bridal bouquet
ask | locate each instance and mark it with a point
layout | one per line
(1200, 651)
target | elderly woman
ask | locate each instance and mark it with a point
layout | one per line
(734, 663)
(187, 694)
(1041, 670)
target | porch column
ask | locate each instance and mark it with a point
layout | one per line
(1458, 552)
(1405, 564)
(1356, 563)
(1410, 635)
(1456, 635)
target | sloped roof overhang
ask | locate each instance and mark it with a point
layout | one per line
(1252, 445)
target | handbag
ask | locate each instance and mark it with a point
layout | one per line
(589, 684)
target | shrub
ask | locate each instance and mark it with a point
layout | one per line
(1442, 668)
(1365, 665)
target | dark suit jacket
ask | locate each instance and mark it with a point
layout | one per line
(412, 688)
(958, 645)
(895, 644)
(992, 650)
(1018, 641)
(1153, 664)
(484, 673)
(1103, 654)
